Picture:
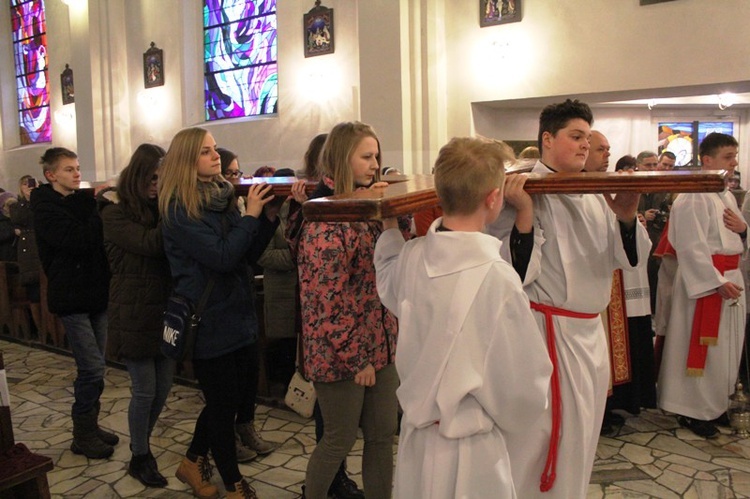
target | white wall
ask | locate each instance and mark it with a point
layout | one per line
(420, 82)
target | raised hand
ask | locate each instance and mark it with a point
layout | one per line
(258, 195)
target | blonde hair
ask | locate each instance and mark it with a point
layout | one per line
(466, 170)
(337, 152)
(178, 177)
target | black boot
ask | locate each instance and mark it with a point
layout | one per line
(140, 468)
(85, 438)
(105, 436)
(155, 467)
(344, 487)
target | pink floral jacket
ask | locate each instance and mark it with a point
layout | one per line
(344, 324)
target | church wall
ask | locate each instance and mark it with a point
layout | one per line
(571, 48)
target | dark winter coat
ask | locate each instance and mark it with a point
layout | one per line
(71, 248)
(199, 249)
(7, 240)
(279, 285)
(28, 256)
(140, 283)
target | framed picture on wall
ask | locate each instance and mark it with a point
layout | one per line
(318, 31)
(649, 2)
(493, 12)
(153, 67)
(68, 88)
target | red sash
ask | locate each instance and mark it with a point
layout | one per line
(706, 319)
(664, 247)
(549, 473)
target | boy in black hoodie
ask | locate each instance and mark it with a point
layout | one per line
(71, 249)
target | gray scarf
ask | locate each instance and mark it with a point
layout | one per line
(219, 194)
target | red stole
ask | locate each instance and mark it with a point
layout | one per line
(549, 473)
(706, 319)
(617, 332)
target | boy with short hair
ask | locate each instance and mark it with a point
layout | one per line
(71, 248)
(471, 361)
(703, 345)
(567, 255)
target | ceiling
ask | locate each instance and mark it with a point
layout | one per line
(675, 97)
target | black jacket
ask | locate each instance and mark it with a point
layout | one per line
(140, 283)
(28, 257)
(71, 249)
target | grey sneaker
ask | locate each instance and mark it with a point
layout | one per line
(250, 438)
(244, 453)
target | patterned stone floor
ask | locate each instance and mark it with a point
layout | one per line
(649, 457)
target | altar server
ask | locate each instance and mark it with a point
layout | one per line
(706, 328)
(577, 243)
(472, 363)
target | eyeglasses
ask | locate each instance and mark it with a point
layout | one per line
(233, 174)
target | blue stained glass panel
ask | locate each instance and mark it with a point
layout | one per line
(240, 56)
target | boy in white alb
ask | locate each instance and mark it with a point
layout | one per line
(706, 327)
(569, 253)
(472, 363)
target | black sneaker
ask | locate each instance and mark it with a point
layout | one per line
(344, 487)
(705, 429)
(611, 423)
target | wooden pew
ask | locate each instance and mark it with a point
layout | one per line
(22, 472)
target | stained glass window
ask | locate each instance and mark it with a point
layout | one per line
(30, 53)
(678, 137)
(240, 55)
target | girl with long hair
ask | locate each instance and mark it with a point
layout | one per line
(139, 288)
(349, 338)
(207, 240)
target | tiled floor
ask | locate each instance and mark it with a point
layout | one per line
(649, 457)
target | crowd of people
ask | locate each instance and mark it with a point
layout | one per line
(483, 325)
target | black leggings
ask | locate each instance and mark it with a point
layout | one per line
(230, 385)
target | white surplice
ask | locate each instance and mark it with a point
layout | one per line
(471, 361)
(696, 231)
(577, 246)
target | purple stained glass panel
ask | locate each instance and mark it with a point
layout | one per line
(240, 55)
(29, 30)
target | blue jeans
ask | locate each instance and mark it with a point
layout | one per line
(87, 337)
(151, 380)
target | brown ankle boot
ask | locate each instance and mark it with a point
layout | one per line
(242, 490)
(198, 475)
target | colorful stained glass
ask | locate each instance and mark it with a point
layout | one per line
(30, 53)
(240, 55)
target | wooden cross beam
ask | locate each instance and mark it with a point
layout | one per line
(409, 194)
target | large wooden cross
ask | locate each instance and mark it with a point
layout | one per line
(409, 194)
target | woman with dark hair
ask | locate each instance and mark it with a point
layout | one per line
(248, 442)
(139, 289)
(27, 255)
(627, 162)
(230, 164)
